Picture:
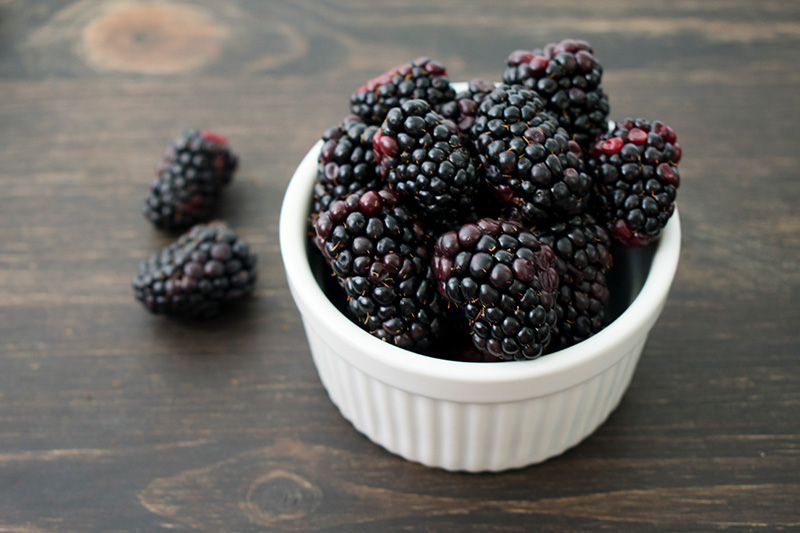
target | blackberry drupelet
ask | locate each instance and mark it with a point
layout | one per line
(464, 107)
(568, 76)
(533, 166)
(380, 255)
(583, 256)
(191, 175)
(424, 159)
(636, 179)
(207, 268)
(421, 79)
(504, 281)
(346, 163)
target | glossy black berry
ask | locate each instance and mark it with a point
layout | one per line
(568, 76)
(464, 107)
(503, 281)
(636, 179)
(582, 249)
(206, 269)
(346, 163)
(379, 254)
(423, 158)
(530, 162)
(190, 178)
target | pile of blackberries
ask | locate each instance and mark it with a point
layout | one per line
(488, 213)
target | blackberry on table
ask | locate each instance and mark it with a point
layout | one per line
(421, 79)
(582, 249)
(424, 159)
(190, 177)
(380, 256)
(636, 178)
(503, 280)
(529, 160)
(568, 76)
(346, 163)
(204, 270)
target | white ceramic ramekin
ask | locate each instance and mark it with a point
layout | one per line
(472, 416)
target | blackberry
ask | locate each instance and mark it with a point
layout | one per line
(583, 256)
(636, 178)
(503, 280)
(207, 268)
(424, 159)
(380, 256)
(582, 310)
(346, 163)
(421, 79)
(464, 107)
(529, 161)
(568, 76)
(191, 175)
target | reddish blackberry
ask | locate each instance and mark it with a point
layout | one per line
(636, 178)
(503, 279)
(464, 107)
(424, 160)
(582, 249)
(568, 76)
(191, 175)
(421, 79)
(346, 163)
(206, 268)
(530, 161)
(379, 255)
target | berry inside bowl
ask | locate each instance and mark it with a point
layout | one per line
(470, 416)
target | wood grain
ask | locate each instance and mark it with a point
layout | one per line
(115, 420)
(152, 39)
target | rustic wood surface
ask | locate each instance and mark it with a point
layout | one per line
(112, 419)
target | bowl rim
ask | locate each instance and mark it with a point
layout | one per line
(458, 380)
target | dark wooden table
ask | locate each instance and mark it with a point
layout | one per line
(112, 419)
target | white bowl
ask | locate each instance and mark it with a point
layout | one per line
(473, 416)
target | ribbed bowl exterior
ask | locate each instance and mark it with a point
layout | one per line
(471, 437)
